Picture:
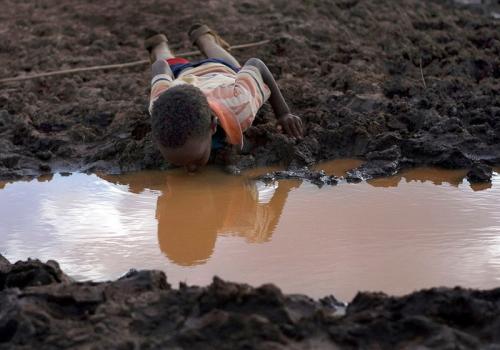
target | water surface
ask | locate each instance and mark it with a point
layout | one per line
(422, 228)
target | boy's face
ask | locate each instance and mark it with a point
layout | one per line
(192, 155)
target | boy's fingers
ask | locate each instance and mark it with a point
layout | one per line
(299, 132)
(296, 127)
(293, 130)
(287, 128)
(299, 126)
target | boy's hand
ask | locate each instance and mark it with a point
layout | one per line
(292, 125)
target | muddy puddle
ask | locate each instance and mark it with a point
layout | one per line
(423, 228)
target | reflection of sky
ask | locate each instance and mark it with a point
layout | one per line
(84, 222)
(330, 240)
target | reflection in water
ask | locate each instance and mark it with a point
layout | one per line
(338, 167)
(450, 177)
(394, 234)
(437, 177)
(193, 210)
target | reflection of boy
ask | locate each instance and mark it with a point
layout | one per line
(192, 211)
(190, 99)
(189, 221)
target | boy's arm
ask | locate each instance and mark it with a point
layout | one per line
(290, 122)
(161, 67)
(162, 78)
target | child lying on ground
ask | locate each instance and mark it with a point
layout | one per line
(189, 100)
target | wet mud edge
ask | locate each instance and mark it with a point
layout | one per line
(397, 93)
(40, 306)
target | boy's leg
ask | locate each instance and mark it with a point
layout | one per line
(157, 45)
(161, 51)
(208, 44)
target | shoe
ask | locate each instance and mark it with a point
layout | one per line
(198, 30)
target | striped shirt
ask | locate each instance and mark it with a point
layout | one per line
(235, 98)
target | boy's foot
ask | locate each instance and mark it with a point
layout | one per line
(197, 30)
(154, 40)
(156, 45)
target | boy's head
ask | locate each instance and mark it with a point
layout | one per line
(182, 124)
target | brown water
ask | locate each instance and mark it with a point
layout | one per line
(422, 228)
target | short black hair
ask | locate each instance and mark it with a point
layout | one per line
(179, 113)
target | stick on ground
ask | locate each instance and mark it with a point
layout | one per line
(118, 65)
(422, 74)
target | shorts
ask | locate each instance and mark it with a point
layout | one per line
(178, 64)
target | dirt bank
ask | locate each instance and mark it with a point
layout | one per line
(41, 307)
(401, 83)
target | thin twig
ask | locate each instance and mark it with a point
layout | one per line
(422, 73)
(118, 65)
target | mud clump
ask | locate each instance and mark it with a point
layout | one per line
(373, 169)
(410, 82)
(480, 173)
(319, 178)
(29, 273)
(142, 310)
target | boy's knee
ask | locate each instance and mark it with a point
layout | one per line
(159, 64)
(255, 62)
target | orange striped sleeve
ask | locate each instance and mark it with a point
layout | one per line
(250, 80)
(245, 97)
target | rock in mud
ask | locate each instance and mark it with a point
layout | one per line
(4, 264)
(319, 178)
(141, 310)
(23, 274)
(373, 169)
(479, 173)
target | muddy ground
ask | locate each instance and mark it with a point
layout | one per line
(40, 307)
(397, 83)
